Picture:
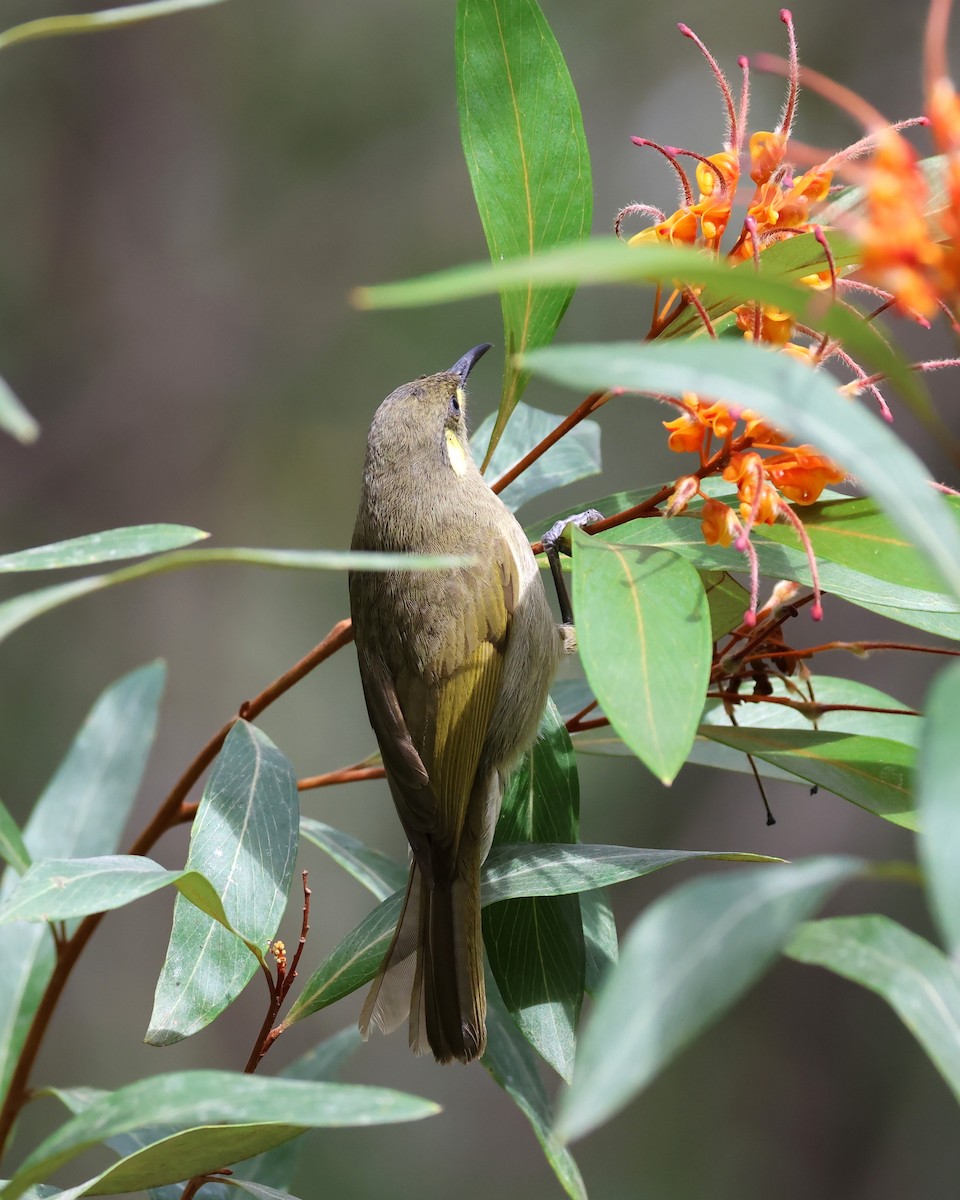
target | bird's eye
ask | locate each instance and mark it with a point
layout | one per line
(455, 404)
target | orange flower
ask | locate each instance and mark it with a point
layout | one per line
(802, 473)
(686, 433)
(719, 523)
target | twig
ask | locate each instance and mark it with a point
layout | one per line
(355, 774)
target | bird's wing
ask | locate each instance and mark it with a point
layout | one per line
(448, 711)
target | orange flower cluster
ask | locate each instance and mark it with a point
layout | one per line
(782, 206)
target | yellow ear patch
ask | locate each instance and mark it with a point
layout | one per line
(456, 453)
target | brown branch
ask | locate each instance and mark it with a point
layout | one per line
(809, 706)
(588, 406)
(165, 818)
(852, 647)
(354, 774)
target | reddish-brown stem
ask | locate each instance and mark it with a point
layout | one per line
(278, 992)
(354, 774)
(853, 647)
(194, 1185)
(165, 818)
(808, 705)
(583, 410)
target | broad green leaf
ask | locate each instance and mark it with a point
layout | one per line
(21, 609)
(575, 456)
(871, 772)
(278, 1166)
(55, 889)
(855, 533)
(257, 1111)
(938, 772)
(640, 613)
(527, 155)
(81, 812)
(686, 959)
(95, 22)
(535, 945)
(12, 849)
(802, 403)
(943, 623)
(919, 983)
(514, 1066)
(14, 418)
(109, 546)
(244, 840)
(728, 602)
(377, 872)
(608, 260)
(509, 872)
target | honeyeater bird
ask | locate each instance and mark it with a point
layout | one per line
(455, 665)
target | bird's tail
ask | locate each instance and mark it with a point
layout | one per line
(433, 971)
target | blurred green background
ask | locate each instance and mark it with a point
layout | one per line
(185, 206)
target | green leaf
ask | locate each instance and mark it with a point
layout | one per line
(608, 260)
(600, 937)
(801, 403)
(513, 1065)
(81, 812)
(535, 945)
(256, 1113)
(526, 152)
(95, 22)
(14, 418)
(728, 601)
(683, 963)
(508, 873)
(21, 609)
(12, 849)
(575, 456)
(639, 613)
(938, 769)
(378, 873)
(244, 840)
(871, 772)
(857, 534)
(109, 546)
(919, 983)
(55, 889)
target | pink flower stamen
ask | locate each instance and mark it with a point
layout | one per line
(793, 76)
(744, 64)
(637, 210)
(816, 609)
(733, 131)
(686, 191)
(744, 535)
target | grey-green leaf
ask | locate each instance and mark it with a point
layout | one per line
(14, 418)
(509, 872)
(19, 610)
(919, 983)
(12, 849)
(249, 1106)
(535, 945)
(643, 628)
(526, 152)
(512, 1063)
(95, 22)
(682, 964)
(575, 456)
(872, 772)
(81, 812)
(112, 545)
(378, 873)
(938, 770)
(244, 840)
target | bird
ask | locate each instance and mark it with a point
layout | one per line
(455, 665)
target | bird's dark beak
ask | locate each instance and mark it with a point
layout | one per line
(463, 366)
